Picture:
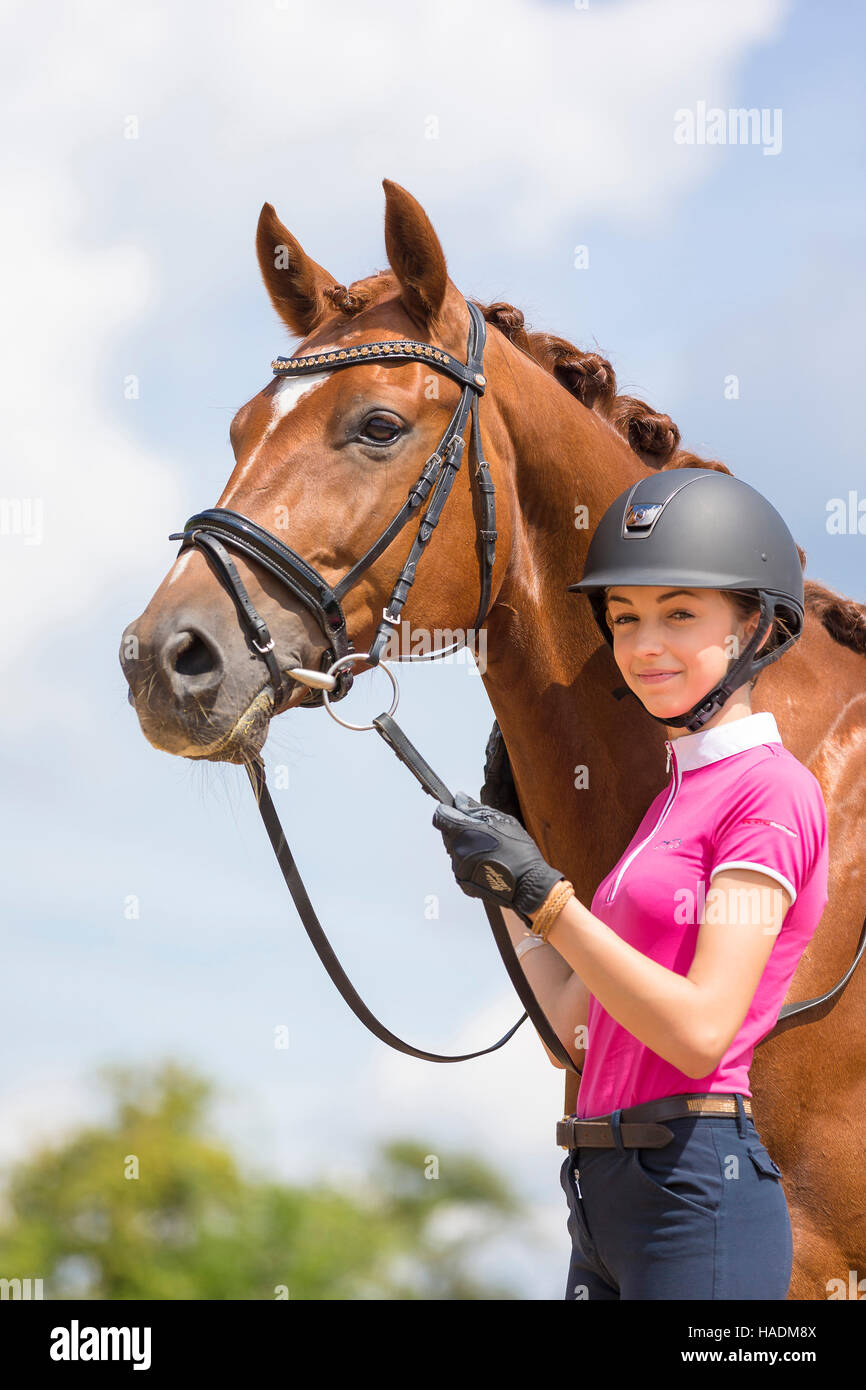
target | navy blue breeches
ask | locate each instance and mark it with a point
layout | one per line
(705, 1217)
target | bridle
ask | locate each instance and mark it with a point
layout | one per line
(214, 529)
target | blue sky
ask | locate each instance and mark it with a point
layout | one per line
(135, 256)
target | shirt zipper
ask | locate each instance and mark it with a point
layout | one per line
(611, 892)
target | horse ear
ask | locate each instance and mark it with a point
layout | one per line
(295, 283)
(416, 257)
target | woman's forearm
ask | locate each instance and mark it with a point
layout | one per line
(562, 998)
(657, 1006)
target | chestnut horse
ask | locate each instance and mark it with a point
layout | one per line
(561, 445)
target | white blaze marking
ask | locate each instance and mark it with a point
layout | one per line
(179, 566)
(285, 398)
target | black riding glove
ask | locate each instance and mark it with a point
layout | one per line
(493, 857)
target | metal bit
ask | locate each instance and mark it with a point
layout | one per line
(320, 680)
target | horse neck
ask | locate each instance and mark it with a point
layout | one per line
(548, 673)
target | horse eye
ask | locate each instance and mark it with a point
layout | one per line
(379, 429)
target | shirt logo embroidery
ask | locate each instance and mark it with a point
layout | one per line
(669, 844)
(776, 825)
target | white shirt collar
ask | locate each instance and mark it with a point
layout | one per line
(711, 745)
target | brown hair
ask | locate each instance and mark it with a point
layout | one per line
(746, 606)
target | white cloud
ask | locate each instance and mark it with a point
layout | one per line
(100, 495)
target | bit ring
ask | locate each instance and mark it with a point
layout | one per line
(345, 661)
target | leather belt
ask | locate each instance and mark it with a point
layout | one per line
(639, 1127)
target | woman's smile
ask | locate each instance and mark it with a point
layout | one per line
(657, 677)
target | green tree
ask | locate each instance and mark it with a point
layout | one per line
(152, 1206)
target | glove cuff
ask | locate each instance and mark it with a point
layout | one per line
(534, 886)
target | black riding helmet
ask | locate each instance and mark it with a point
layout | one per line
(704, 530)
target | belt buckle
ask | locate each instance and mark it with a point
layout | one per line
(594, 1124)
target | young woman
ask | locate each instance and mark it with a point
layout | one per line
(684, 957)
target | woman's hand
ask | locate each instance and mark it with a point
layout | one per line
(493, 857)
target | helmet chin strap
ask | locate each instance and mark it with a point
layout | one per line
(736, 675)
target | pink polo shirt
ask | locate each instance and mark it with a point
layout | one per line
(737, 799)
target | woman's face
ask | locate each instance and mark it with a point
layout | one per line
(688, 634)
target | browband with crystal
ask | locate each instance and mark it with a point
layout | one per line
(405, 348)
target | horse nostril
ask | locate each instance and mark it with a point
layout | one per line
(192, 656)
(192, 662)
